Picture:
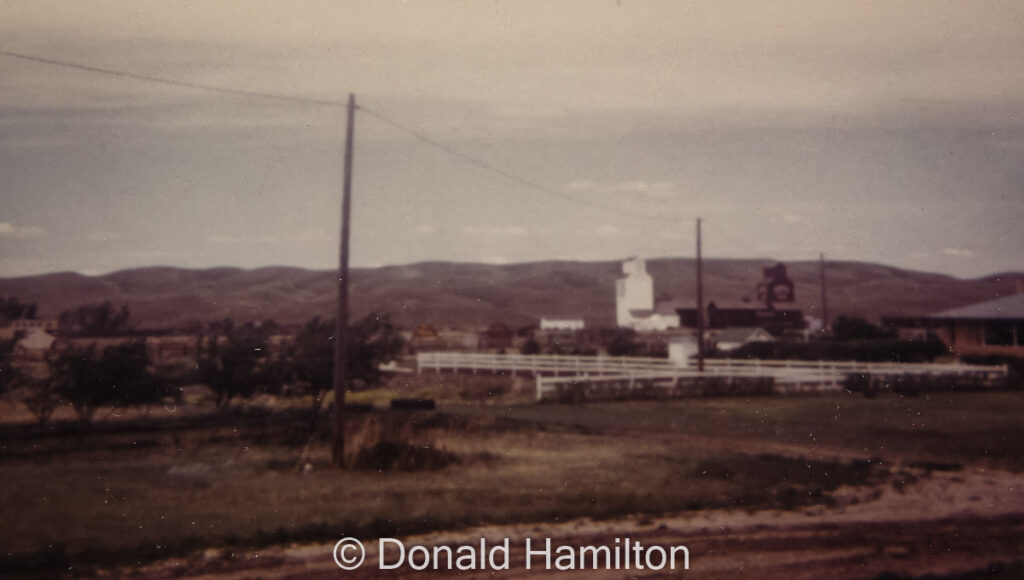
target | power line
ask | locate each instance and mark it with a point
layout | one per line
(173, 82)
(507, 175)
(329, 103)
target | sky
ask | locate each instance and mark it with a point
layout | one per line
(504, 132)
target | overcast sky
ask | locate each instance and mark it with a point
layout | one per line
(876, 131)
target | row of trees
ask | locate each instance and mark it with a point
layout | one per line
(87, 378)
(13, 309)
(616, 342)
(235, 363)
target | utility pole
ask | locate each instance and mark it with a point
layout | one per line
(341, 321)
(824, 300)
(700, 306)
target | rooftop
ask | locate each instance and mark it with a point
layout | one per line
(1004, 308)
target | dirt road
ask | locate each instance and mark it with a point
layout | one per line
(940, 523)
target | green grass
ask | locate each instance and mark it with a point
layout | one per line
(970, 428)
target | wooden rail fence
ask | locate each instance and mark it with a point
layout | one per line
(562, 377)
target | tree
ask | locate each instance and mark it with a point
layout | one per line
(132, 383)
(531, 346)
(854, 328)
(95, 319)
(77, 375)
(120, 376)
(234, 362)
(372, 341)
(310, 359)
(40, 396)
(9, 374)
(622, 344)
(37, 394)
(13, 309)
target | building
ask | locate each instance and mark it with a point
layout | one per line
(995, 327)
(34, 345)
(634, 301)
(24, 325)
(911, 328)
(775, 310)
(730, 339)
(562, 324)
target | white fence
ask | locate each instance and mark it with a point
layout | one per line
(558, 375)
(537, 364)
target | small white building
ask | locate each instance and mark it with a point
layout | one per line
(561, 324)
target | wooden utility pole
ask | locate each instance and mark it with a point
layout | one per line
(341, 321)
(824, 299)
(700, 306)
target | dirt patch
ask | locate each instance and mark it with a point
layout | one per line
(947, 524)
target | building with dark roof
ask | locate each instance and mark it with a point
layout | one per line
(995, 327)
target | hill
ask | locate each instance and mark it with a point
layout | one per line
(456, 294)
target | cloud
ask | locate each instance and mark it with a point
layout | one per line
(150, 255)
(494, 231)
(13, 232)
(958, 252)
(303, 235)
(582, 185)
(790, 218)
(607, 231)
(243, 240)
(639, 187)
(104, 236)
(648, 188)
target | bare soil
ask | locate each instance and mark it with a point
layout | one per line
(920, 523)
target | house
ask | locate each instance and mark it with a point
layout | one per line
(34, 345)
(730, 339)
(634, 301)
(425, 338)
(8, 331)
(995, 327)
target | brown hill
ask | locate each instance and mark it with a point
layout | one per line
(472, 295)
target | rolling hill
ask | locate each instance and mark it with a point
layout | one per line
(473, 295)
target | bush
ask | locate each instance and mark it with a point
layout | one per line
(624, 345)
(738, 387)
(1014, 366)
(909, 351)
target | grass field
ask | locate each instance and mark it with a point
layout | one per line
(127, 495)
